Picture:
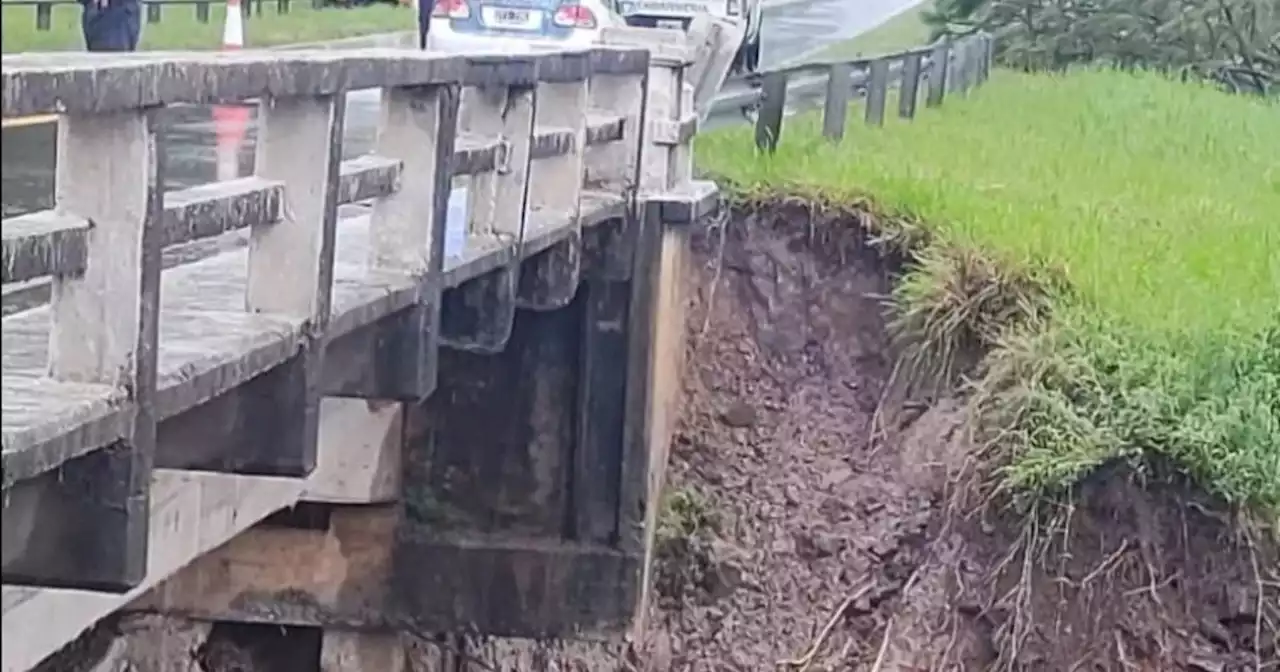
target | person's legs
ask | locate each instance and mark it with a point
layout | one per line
(132, 13)
(425, 8)
(115, 27)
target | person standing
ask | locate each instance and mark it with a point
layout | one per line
(111, 25)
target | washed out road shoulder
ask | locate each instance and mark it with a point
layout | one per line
(1112, 478)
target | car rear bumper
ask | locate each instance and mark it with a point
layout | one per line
(443, 37)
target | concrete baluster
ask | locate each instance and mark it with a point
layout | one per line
(291, 269)
(613, 169)
(686, 126)
(662, 110)
(499, 102)
(556, 182)
(407, 237)
(104, 333)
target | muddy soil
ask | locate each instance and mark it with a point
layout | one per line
(819, 548)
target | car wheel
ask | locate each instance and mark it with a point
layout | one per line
(751, 56)
(735, 68)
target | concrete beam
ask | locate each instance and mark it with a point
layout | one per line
(335, 577)
(193, 513)
(348, 651)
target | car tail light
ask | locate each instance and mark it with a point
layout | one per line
(733, 7)
(574, 16)
(452, 9)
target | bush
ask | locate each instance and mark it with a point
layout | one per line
(1233, 42)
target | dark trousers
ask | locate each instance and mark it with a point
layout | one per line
(424, 21)
(112, 28)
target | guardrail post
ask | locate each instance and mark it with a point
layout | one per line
(877, 91)
(44, 15)
(202, 12)
(984, 63)
(835, 110)
(772, 106)
(550, 278)
(908, 91)
(291, 272)
(938, 69)
(153, 11)
(105, 330)
(478, 316)
(964, 66)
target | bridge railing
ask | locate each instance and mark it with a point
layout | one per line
(550, 144)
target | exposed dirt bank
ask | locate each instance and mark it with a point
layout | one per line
(814, 547)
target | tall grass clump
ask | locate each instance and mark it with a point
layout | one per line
(1146, 215)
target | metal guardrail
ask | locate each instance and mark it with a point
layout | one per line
(940, 69)
(155, 8)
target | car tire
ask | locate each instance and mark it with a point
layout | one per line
(751, 56)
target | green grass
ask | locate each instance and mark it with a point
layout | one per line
(178, 28)
(1146, 215)
(904, 31)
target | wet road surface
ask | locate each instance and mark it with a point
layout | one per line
(791, 29)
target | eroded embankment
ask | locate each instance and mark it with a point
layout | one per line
(796, 536)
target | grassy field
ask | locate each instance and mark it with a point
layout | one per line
(1111, 239)
(903, 31)
(178, 28)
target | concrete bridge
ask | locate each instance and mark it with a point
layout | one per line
(339, 425)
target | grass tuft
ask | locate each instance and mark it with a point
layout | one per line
(1111, 240)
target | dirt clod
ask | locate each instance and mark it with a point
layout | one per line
(739, 415)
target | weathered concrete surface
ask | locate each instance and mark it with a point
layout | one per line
(151, 644)
(195, 512)
(191, 514)
(669, 306)
(335, 577)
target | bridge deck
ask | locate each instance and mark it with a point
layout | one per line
(209, 344)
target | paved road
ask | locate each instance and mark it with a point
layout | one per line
(792, 28)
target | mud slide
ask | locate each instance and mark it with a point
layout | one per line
(796, 537)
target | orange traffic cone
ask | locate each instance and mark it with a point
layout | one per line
(230, 122)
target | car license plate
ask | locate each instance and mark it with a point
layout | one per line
(510, 18)
(671, 23)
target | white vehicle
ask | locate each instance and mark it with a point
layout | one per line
(517, 25)
(680, 13)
